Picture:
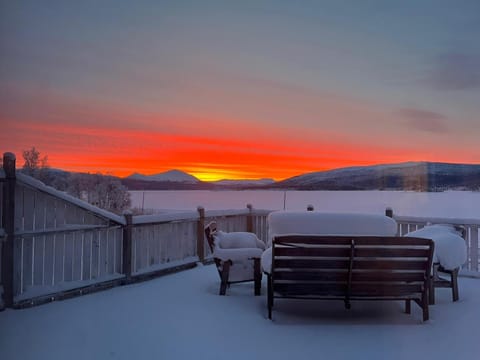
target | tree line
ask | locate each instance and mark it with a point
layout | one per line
(103, 191)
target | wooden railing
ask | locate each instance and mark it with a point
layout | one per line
(55, 246)
(163, 241)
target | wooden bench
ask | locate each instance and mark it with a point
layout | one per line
(351, 268)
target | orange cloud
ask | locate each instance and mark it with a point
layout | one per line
(123, 151)
(331, 132)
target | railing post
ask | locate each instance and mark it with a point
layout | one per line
(8, 211)
(389, 213)
(250, 218)
(201, 234)
(127, 245)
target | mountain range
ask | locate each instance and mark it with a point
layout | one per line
(171, 175)
(419, 176)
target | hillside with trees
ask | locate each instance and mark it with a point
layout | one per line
(106, 192)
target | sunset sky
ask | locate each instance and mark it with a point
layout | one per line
(239, 89)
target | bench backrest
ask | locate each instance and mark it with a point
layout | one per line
(352, 266)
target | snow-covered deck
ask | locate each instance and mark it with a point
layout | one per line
(180, 316)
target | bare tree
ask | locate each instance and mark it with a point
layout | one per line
(106, 192)
(34, 164)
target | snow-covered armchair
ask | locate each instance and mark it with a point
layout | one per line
(449, 256)
(236, 255)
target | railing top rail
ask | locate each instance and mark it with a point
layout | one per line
(436, 220)
(261, 212)
(227, 212)
(38, 185)
(194, 215)
(165, 218)
(64, 229)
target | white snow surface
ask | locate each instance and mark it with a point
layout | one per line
(237, 240)
(319, 223)
(181, 316)
(322, 223)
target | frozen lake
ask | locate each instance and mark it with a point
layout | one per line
(456, 204)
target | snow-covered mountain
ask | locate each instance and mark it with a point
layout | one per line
(419, 176)
(423, 176)
(170, 176)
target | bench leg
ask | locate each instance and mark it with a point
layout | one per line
(224, 277)
(408, 306)
(425, 306)
(270, 297)
(431, 292)
(423, 303)
(454, 281)
(437, 281)
(434, 278)
(257, 275)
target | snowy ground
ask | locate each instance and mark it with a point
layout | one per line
(180, 316)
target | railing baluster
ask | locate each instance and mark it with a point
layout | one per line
(63, 257)
(22, 264)
(33, 260)
(54, 253)
(81, 256)
(474, 247)
(43, 259)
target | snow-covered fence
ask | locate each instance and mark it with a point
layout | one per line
(61, 243)
(468, 227)
(163, 241)
(55, 246)
(167, 240)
